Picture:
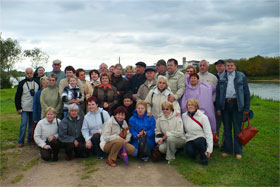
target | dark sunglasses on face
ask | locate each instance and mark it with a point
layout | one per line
(165, 109)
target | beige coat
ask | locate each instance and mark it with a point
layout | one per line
(177, 83)
(144, 90)
(155, 98)
(171, 126)
(111, 131)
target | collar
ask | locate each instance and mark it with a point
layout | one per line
(105, 87)
(172, 74)
(231, 74)
(71, 87)
(165, 92)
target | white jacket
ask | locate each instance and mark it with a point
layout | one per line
(194, 131)
(155, 98)
(170, 125)
(45, 129)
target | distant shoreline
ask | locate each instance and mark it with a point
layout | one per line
(272, 80)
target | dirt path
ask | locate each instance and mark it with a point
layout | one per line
(92, 172)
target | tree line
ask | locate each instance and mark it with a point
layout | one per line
(256, 66)
(11, 53)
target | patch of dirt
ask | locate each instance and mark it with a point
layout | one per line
(73, 173)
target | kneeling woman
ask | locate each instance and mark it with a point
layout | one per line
(142, 126)
(112, 140)
(70, 133)
(198, 132)
(92, 126)
(169, 131)
(45, 135)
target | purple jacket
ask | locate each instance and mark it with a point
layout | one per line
(203, 93)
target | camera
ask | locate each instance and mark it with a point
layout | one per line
(32, 92)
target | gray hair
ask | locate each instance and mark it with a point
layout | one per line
(207, 63)
(73, 107)
(164, 78)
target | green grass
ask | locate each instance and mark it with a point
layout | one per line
(17, 178)
(260, 163)
(273, 77)
(258, 167)
(9, 120)
(31, 163)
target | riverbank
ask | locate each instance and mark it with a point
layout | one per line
(258, 167)
(274, 78)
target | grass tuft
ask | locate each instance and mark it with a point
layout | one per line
(17, 178)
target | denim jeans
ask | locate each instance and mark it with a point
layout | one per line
(25, 116)
(232, 118)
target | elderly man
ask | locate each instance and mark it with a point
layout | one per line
(204, 75)
(220, 71)
(233, 102)
(23, 100)
(148, 84)
(176, 80)
(161, 68)
(103, 68)
(137, 80)
(57, 71)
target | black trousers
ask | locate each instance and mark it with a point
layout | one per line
(197, 145)
(95, 140)
(79, 151)
(48, 154)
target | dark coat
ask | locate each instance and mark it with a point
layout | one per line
(121, 84)
(135, 82)
(109, 95)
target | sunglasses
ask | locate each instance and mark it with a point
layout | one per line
(165, 109)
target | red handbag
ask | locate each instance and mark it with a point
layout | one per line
(247, 134)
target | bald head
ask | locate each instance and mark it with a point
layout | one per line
(29, 73)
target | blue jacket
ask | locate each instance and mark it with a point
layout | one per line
(241, 88)
(147, 123)
(37, 106)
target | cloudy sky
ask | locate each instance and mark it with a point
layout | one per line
(86, 33)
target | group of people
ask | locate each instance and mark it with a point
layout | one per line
(163, 107)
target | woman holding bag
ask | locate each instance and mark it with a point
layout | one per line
(142, 128)
(113, 137)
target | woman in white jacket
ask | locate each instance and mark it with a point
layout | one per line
(45, 135)
(159, 95)
(198, 132)
(169, 131)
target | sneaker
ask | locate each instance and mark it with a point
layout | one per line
(145, 159)
(20, 145)
(68, 158)
(238, 156)
(111, 163)
(100, 157)
(225, 155)
(204, 163)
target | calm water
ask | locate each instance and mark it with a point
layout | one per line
(265, 90)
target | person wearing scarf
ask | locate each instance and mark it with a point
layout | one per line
(106, 94)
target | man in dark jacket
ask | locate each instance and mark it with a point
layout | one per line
(24, 100)
(233, 102)
(70, 134)
(137, 80)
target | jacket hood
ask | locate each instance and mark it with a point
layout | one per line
(170, 116)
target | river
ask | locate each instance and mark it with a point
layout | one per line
(265, 90)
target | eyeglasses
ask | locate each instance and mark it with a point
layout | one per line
(165, 109)
(189, 71)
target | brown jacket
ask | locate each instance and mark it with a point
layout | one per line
(109, 95)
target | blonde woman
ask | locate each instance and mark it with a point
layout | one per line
(159, 95)
(45, 135)
(198, 134)
(169, 132)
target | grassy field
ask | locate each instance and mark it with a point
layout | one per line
(260, 163)
(258, 167)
